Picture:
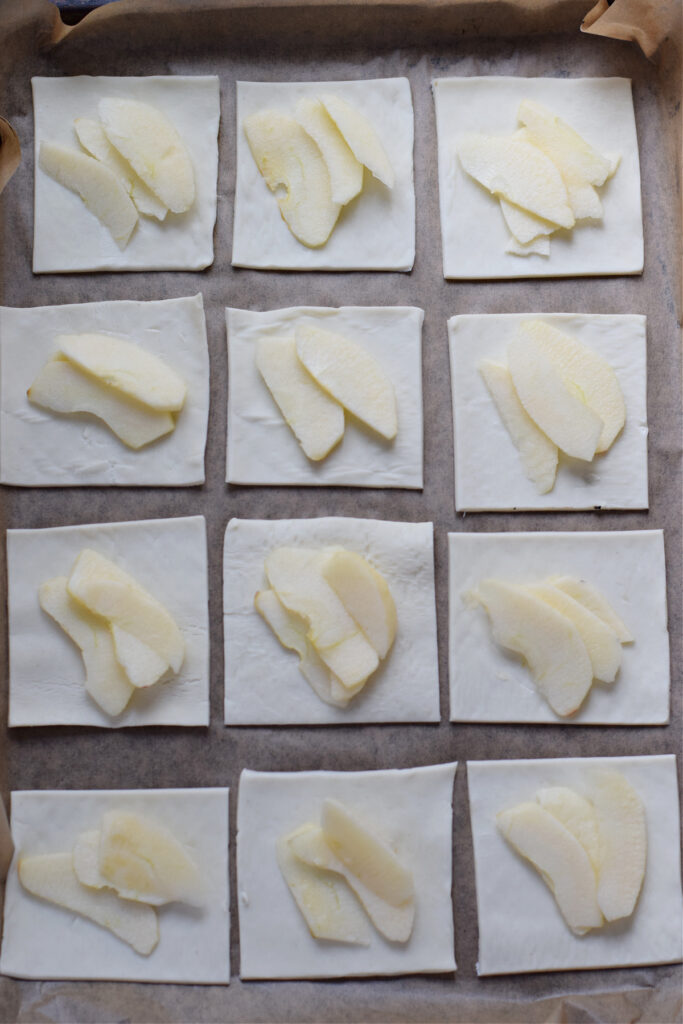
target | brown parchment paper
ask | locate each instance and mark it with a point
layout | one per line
(646, 22)
(307, 41)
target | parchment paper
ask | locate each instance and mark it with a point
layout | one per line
(308, 41)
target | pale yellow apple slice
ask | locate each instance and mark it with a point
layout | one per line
(510, 167)
(143, 861)
(591, 598)
(316, 419)
(51, 877)
(107, 590)
(91, 136)
(288, 158)
(623, 844)
(346, 173)
(99, 188)
(579, 163)
(524, 226)
(85, 859)
(559, 858)
(536, 247)
(350, 375)
(577, 815)
(61, 387)
(364, 593)
(554, 405)
(143, 666)
(126, 367)
(105, 680)
(152, 146)
(586, 373)
(361, 138)
(548, 641)
(537, 452)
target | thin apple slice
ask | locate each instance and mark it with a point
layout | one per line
(51, 877)
(105, 680)
(579, 163)
(577, 815)
(361, 138)
(595, 602)
(142, 665)
(537, 247)
(524, 226)
(316, 419)
(99, 188)
(623, 844)
(346, 173)
(559, 858)
(288, 158)
(537, 452)
(547, 640)
(85, 859)
(364, 593)
(152, 146)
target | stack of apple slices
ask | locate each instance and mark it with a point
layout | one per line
(116, 875)
(338, 867)
(554, 394)
(127, 639)
(133, 161)
(314, 376)
(134, 392)
(591, 852)
(335, 610)
(565, 630)
(318, 157)
(545, 176)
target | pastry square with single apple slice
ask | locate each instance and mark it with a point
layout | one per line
(489, 683)
(262, 448)
(263, 683)
(473, 232)
(44, 941)
(489, 475)
(521, 928)
(166, 557)
(40, 448)
(67, 236)
(408, 809)
(376, 230)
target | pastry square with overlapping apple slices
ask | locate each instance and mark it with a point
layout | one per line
(324, 176)
(538, 177)
(345, 874)
(549, 411)
(329, 621)
(125, 172)
(109, 624)
(577, 863)
(322, 397)
(119, 885)
(568, 628)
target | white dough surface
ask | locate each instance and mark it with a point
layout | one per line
(167, 557)
(44, 941)
(490, 684)
(67, 236)
(488, 472)
(263, 684)
(411, 809)
(473, 232)
(520, 926)
(262, 448)
(39, 448)
(376, 230)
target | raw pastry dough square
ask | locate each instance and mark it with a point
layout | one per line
(409, 808)
(166, 556)
(39, 448)
(67, 236)
(44, 941)
(520, 926)
(473, 232)
(488, 472)
(376, 231)
(263, 684)
(490, 684)
(262, 448)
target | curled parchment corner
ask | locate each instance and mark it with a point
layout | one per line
(645, 22)
(10, 152)
(6, 845)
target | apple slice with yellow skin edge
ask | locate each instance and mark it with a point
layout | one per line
(105, 680)
(591, 598)
(142, 665)
(361, 138)
(288, 158)
(346, 173)
(623, 844)
(577, 815)
(559, 858)
(364, 593)
(99, 188)
(579, 163)
(524, 226)
(537, 452)
(51, 877)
